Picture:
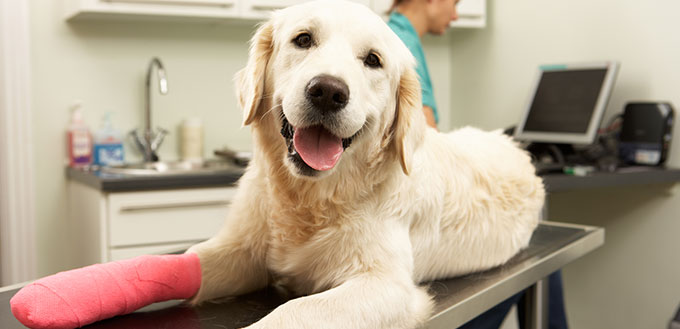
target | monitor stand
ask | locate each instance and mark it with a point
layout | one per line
(550, 156)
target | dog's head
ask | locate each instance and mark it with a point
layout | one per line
(337, 82)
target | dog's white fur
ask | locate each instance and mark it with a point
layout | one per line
(405, 204)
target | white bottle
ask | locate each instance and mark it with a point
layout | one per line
(192, 140)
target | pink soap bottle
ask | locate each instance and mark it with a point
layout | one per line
(79, 139)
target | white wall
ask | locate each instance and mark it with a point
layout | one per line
(634, 280)
(438, 56)
(104, 64)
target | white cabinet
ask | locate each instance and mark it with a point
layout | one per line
(114, 226)
(187, 10)
(471, 13)
(259, 9)
(191, 10)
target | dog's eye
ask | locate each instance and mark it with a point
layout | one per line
(303, 40)
(372, 60)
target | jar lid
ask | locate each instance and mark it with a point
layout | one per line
(193, 121)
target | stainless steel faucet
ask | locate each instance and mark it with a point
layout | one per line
(150, 141)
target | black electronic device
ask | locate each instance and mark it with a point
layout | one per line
(646, 133)
(567, 103)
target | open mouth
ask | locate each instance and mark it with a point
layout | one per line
(314, 147)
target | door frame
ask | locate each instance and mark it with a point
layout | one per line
(17, 197)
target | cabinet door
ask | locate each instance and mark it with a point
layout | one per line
(211, 3)
(162, 217)
(471, 13)
(186, 10)
(260, 9)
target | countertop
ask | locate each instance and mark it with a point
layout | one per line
(624, 176)
(457, 300)
(109, 182)
(554, 182)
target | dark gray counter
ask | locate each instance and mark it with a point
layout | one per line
(458, 300)
(553, 182)
(107, 182)
(626, 176)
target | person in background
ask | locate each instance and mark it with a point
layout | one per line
(411, 20)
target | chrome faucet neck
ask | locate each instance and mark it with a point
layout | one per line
(151, 141)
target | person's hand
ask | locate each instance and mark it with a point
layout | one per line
(429, 117)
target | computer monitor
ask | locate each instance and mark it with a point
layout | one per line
(567, 103)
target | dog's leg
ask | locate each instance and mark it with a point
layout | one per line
(375, 289)
(368, 301)
(233, 261)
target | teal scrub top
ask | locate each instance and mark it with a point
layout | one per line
(405, 31)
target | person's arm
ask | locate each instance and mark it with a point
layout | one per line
(429, 116)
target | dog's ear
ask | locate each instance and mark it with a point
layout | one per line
(250, 80)
(409, 121)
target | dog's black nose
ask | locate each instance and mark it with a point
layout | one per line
(327, 93)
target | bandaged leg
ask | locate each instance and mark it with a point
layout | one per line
(82, 296)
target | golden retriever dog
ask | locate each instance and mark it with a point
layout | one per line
(350, 200)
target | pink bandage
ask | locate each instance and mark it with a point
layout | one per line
(79, 297)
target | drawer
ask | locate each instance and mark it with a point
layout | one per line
(126, 253)
(161, 217)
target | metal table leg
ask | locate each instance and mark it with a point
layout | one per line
(537, 305)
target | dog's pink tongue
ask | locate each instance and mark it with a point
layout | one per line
(318, 148)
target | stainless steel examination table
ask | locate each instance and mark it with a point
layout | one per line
(458, 300)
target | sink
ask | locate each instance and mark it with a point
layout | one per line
(172, 168)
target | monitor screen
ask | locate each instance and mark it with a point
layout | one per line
(567, 103)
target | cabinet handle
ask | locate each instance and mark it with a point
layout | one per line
(267, 7)
(147, 207)
(207, 3)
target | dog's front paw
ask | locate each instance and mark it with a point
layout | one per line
(287, 316)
